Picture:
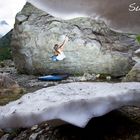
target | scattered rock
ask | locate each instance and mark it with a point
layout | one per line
(108, 78)
(34, 135)
(9, 89)
(137, 52)
(88, 77)
(134, 74)
(5, 137)
(1, 132)
(34, 127)
(137, 55)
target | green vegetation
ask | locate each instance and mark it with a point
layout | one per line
(138, 39)
(5, 50)
(5, 53)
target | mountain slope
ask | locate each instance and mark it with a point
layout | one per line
(5, 50)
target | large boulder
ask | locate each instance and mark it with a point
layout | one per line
(92, 47)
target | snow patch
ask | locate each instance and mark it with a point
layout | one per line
(74, 103)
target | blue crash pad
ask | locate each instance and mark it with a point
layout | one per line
(53, 77)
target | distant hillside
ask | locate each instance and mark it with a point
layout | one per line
(5, 50)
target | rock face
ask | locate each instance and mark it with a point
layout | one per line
(75, 103)
(134, 74)
(91, 48)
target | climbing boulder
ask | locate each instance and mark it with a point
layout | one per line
(92, 47)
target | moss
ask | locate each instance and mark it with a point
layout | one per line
(138, 39)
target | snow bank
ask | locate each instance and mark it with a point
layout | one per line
(75, 103)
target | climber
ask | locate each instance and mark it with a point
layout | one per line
(58, 51)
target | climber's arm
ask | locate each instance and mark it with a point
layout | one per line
(63, 44)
